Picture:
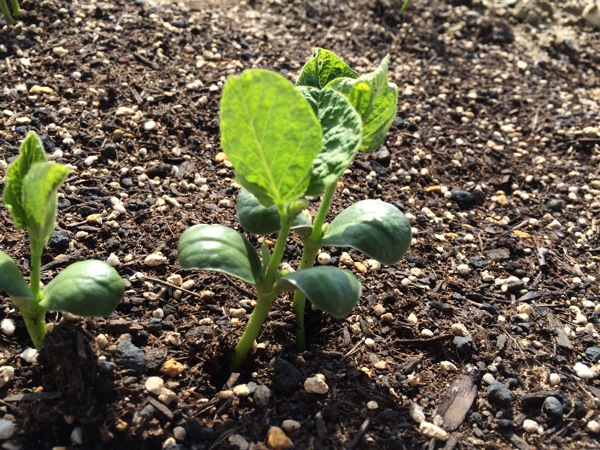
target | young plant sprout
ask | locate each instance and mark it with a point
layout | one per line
(6, 10)
(86, 288)
(288, 142)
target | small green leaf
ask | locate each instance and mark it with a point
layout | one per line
(375, 99)
(40, 187)
(218, 248)
(13, 283)
(377, 229)
(323, 68)
(341, 136)
(270, 134)
(258, 219)
(89, 288)
(31, 152)
(333, 290)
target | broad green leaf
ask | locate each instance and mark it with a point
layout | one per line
(40, 187)
(258, 219)
(270, 134)
(342, 133)
(13, 283)
(323, 68)
(375, 99)
(86, 288)
(31, 152)
(216, 247)
(331, 289)
(377, 229)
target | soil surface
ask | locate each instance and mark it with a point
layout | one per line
(488, 329)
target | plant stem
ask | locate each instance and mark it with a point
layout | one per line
(266, 295)
(311, 248)
(34, 316)
(16, 8)
(6, 12)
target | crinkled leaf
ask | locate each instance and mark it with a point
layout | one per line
(331, 289)
(270, 134)
(323, 68)
(89, 288)
(258, 219)
(375, 99)
(13, 283)
(377, 229)
(218, 248)
(40, 187)
(31, 152)
(341, 136)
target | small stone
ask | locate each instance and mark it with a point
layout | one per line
(102, 341)
(154, 385)
(277, 439)
(172, 368)
(170, 444)
(521, 65)
(155, 259)
(593, 426)
(369, 343)
(130, 356)
(387, 318)
(583, 371)
(412, 319)
(463, 344)
(372, 405)
(459, 329)
(499, 395)
(286, 378)
(77, 436)
(113, 260)
(360, 267)
(167, 396)
(324, 258)
(373, 265)
(463, 269)
(239, 313)
(346, 259)
(150, 125)
(29, 355)
(554, 379)
(175, 279)
(8, 326)
(316, 385)
(416, 413)
(291, 425)
(124, 111)
(448, 366)
(179, 433)
(553, 408)
(238, 441)
(7, 428)
(426, 333)
(241, 390)
(262, 395)
(379, 310)
(530, 426)
(37, 89)
(488, 378)
(433, 431)
(7, 374)
(60, 51)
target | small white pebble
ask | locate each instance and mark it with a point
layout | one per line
(241, 390)
(593, 426)
(416, 413)
(158, 313)
(77, 436)
(525, 308)
(150, 125)
(346, 259)
(238, 441)
(8, 326)
(488, 378)
(426, 333)
(7, 374)
(463, 269)
(373, 265)
(448, 366)
(433, 431)
(7, 429)
(372, 405)
(412, 319)
(262, 395)
(583, 371)
(369, 342)
(324, 258)
(113, 260)
(379, 310)
(179, 433)
(29, 355)
(167, 396)
(580, 319)
(290, 425)
(316, 384)
(154, 385)
(530, 426)
(554, 379)
(155, 259)
(459, 329)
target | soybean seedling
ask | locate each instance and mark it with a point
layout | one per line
(89, 288)
(6, 10)
(288, 142)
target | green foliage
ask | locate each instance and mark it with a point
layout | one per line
(285, 143)
(86, 288)
(6, 12)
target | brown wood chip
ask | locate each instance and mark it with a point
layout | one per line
(459, 399)
(561, 338)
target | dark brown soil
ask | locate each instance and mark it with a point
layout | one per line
(494, 156)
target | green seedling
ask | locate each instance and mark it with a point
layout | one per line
(86, 288)
(6, 10)
(287, 142)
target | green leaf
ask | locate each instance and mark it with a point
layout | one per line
(270, 134)
(323, 68)
(258, 219)
(216, 247)
(40, 187)
(89, 288)
(375, 99)
(342, 133)
(377, 229)
(333, 290)
(13, 283)
(31, 152)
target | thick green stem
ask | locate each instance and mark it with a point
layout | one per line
(35, 316)
(311, 248)
(16, 8)
(266, 296)
(6, 12)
